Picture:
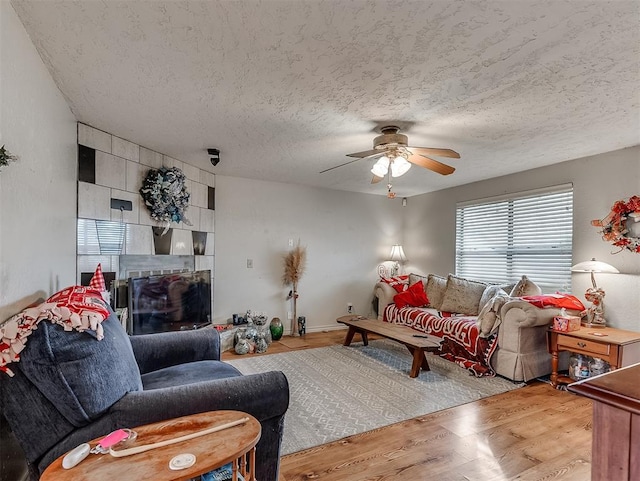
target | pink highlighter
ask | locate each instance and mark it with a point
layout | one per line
(76, 455)
(119, 436)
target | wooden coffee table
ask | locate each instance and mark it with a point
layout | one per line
(417, 343)
(211, 451)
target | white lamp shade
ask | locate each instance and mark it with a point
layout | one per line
(381, 167)
(594, 266)
(400, 166)
(397, 254)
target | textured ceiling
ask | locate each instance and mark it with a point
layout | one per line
(286, 88)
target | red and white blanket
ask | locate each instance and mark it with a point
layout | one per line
(461, 344)
(74, 308)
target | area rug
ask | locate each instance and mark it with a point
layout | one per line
(339, 391)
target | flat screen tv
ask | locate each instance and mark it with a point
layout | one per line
(169, 302)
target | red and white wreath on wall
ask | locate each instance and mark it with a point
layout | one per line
(615, 226)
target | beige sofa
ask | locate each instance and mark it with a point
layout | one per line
(517, 338)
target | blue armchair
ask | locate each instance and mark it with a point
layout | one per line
(70, 388)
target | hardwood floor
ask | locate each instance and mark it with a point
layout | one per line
(533, 433)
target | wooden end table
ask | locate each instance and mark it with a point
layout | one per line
(616, 346)
(235, 444)
(418, 344)
(615, 450)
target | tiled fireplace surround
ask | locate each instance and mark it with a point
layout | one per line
(113, 168)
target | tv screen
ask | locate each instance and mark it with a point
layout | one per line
(169, 302)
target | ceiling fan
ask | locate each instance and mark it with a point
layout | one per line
(395, 156)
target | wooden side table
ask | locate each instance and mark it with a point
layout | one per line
(616, 346)
(235, 444)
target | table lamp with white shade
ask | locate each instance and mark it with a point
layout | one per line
(397, 256)
(595, 294)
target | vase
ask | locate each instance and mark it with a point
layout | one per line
(242, 347)
(276, 328)
(261, 345)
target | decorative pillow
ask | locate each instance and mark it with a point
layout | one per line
(436, 285)
(490, 292)
(508, 287)
(413, 278)
(489, 319)
(462, 295)
(558, 299)
(399, 283)
(525, 287)
(414, 296)
(80, 375)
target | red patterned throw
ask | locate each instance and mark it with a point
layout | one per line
(461, 344)
(399, 283)
(74, 308)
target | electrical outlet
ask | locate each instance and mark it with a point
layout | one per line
(289, 315)
(290, 242)
(349, 308)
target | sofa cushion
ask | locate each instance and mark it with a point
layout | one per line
(188, 373)
(79, 374)
(436, 287)
(462, 295)
(414, 296)
(525, 287)
(413, 278)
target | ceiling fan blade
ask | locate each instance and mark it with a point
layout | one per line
(376, 179)
(366, 153)
(428, 163)
(374, 156)
(341, 165)
(437, 152)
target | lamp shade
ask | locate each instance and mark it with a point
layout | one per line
(397, 254)
(399, 166)
(381, 167)
(594, 266)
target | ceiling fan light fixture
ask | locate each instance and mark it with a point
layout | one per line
(381, 167)
(399, 166)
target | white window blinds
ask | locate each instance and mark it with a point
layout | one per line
(501, 239)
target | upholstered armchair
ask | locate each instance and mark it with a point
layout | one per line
(69, 388)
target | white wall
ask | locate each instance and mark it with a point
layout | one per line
(37, 193)
(346, 235)
(598, 182)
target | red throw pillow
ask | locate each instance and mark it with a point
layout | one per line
(399, 283)
(556, 300)
(414, 296)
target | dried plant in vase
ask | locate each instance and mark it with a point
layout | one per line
(294, 264)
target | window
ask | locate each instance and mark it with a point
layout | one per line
(530, 233)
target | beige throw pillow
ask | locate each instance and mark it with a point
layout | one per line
(413, 278)
(525, 287)
(436, 286)
(462, 295)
